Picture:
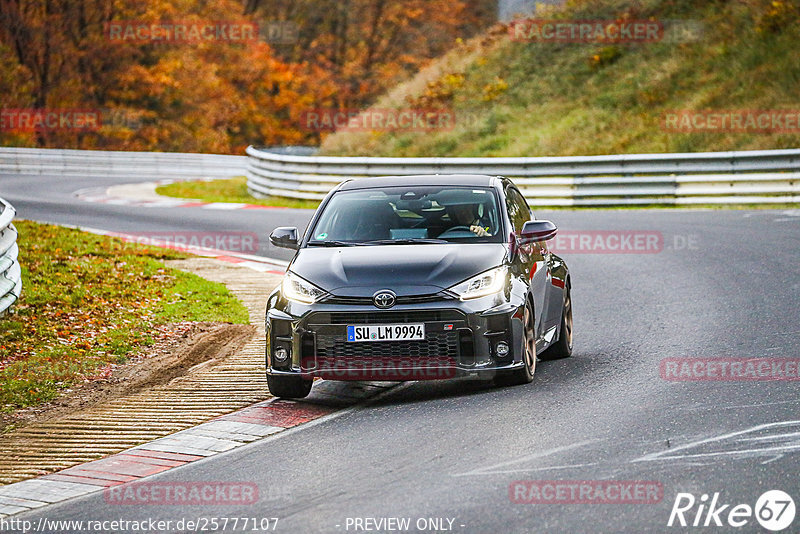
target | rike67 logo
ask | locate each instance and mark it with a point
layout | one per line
(774, 510)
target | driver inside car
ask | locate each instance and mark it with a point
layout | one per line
(467, 215)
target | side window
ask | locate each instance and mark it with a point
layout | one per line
(518, 210)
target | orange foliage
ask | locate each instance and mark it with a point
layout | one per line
(216, 95)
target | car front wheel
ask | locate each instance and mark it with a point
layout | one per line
(289, 387)
(563, 347)
(524, 375)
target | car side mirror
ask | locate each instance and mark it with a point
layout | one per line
(535, 231)
(284, 237)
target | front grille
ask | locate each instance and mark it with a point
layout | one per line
(385, 317)
(440, 348)
(367, 301)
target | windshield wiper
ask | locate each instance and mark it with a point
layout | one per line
(407, 241)
(334, 243)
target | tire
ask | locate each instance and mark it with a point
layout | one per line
(289, 387)
(524, 375)
(563, 347)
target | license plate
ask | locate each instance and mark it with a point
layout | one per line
(386, 332)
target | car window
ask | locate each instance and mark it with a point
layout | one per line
(518, 210)
(453, 214)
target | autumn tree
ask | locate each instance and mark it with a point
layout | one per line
(212, 95)
(368, 45)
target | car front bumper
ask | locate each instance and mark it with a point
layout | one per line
(461, 338)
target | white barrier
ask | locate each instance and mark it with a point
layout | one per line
(119, 164)
(10, 272)
(752, 177)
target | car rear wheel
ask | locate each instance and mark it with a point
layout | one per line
(563, 347)
(524, 375)
(289, 387)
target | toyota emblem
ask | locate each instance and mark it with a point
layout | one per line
(384, 299)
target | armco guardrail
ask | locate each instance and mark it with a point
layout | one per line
(752, 177)
(119, 164)
(10, 273)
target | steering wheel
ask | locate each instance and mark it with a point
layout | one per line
(457, 229)
(428, 216)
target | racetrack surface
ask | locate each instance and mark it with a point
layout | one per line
(725, 285)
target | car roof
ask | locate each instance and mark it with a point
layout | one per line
(467, 180)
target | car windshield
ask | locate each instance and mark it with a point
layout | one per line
(401, 215)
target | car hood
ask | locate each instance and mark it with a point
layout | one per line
(405, 269)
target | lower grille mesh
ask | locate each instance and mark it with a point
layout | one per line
(441, 348)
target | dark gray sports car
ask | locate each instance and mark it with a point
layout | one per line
(414, 278)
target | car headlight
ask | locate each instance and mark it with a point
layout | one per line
(486, 283)
(299, 290)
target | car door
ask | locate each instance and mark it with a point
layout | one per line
(532, 257)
